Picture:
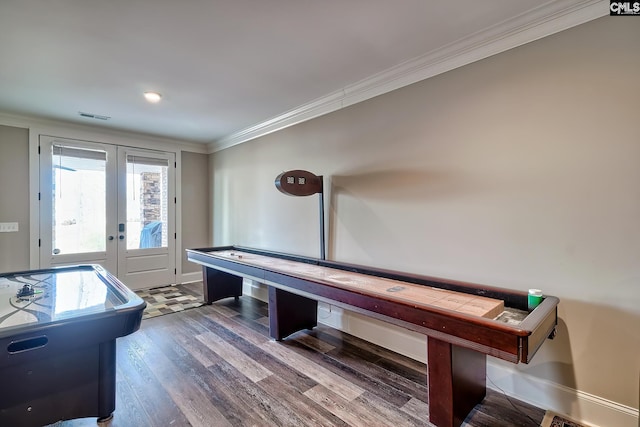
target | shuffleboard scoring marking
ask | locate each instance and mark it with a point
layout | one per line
(405, 292)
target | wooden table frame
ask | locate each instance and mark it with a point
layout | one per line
(458, 344)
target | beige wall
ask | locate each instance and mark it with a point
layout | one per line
(195, 206)
(14, 198)
(518, 171)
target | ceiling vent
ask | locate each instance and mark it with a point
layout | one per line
(93, 116)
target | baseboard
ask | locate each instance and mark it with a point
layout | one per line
(196, 276)
(578, 405)
(402, 341)
(255, 290)
(502, 377)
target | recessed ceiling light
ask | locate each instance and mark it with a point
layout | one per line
(153, 97)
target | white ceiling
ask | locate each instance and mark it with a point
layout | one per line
(227, 66)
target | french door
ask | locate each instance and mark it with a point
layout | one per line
(109, 205)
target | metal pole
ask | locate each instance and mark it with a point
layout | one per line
(321, 195)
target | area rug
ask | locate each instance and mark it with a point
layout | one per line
(168, 299)
(551, 419)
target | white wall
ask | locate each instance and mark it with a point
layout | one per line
(518, 171)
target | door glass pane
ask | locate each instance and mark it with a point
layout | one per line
(147, 202)
(79, 200)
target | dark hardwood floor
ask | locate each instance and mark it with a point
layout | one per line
(216, 366)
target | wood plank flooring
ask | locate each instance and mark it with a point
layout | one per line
(216, 366)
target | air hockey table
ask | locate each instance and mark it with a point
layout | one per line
(463, 322)
(58, 330)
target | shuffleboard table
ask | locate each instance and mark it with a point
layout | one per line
(463, 322)
(58, 330)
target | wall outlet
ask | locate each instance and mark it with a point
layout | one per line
(6, 227)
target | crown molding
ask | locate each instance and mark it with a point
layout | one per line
(548, 19)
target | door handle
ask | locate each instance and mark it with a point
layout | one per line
(121, 237)
(110, 237)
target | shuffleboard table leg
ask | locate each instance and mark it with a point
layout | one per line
(289, 313)
(456, 380)
(218, 285)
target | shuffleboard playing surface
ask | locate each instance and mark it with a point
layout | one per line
(394, 290)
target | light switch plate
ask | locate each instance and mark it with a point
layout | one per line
(6, 227)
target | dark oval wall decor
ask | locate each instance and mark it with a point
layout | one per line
(299, 183)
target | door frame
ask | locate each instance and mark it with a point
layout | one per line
(69, 132)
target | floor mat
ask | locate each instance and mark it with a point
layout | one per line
(168, 299)
(551, 419)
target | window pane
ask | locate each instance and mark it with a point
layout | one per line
(79, 200)
(147, 202)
